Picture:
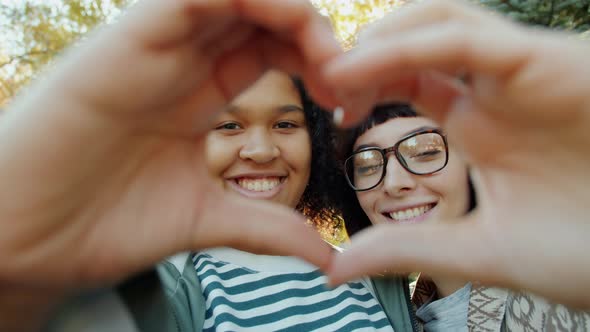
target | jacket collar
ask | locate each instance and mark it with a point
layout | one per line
(487, 305)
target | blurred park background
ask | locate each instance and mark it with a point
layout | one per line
(34, 32)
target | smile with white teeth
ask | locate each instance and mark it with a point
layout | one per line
(259, 184)
(411, 213)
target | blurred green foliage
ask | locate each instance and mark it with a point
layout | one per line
(558, 14)
(34, 33)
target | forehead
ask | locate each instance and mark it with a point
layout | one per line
(388, 133)
(272, 90)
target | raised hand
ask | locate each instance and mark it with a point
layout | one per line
(101, 162)
(517, 104)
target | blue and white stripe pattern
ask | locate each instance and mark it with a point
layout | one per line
(239, 298)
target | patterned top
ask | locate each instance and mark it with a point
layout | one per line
(446, 314)
(495, 309)
(270, 293)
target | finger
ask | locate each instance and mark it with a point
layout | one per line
(160, 24)
(296, 31)
(461, 250)
(238, 68)
(233, 71)
(507, 256)
(356, 104)
(260, 227)
(431, 93)
(449, 47)
(298, 21)
(171, 22)
(419, 14)
(196, 102)
(285, 56)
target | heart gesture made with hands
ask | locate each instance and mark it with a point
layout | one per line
(110, 145)
(101, 161)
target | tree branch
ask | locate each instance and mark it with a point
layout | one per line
(513, 7)
(551, 13)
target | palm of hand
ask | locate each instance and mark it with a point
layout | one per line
(519, 121)
(138, 189)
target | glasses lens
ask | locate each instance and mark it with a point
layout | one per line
(424, 153)
(364, 169)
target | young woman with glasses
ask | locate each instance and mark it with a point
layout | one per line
(402, 171)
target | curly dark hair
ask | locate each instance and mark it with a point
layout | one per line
(318, 202)
(354, 216)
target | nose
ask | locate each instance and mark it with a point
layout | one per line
(259, 147)
(398, 181)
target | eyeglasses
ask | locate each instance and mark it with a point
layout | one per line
(422, 152)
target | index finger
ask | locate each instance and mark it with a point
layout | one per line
(298, 20)
(432, 249)
(418, 14)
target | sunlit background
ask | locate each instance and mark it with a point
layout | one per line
(34, 32)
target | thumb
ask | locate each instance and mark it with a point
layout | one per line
(262, 228)
(160, 24)
(459, 249)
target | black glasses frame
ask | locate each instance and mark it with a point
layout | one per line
(395, 150)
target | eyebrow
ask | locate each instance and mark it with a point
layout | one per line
(281, 109)
(411, 132)
(290, 108)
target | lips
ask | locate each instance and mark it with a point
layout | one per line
(410, 214)
(257, 186)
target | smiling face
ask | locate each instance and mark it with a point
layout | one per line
(403, 197)
(260, 147)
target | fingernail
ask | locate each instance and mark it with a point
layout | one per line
(338, 116)
(331, 283)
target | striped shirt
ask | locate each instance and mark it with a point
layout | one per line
(270, 293)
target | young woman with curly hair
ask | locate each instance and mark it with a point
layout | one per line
(273, 143)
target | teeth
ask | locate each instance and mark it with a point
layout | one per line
(410, 213)
(259, 185)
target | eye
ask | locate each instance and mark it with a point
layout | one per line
(368, 170)
(229, 126)
(427, 155)
(286, 125)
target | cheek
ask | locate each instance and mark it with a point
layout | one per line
(454, 188)
(296, 150)
(219, 154)
(462, 194)
(367, 202)
(296, 153)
